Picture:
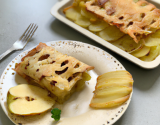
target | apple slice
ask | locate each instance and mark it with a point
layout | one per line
(27, 99)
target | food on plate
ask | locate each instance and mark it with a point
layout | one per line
(112, 89)
(111, 33)
(142, 52)
(57, 72)
(72, 14)
(56, 114)
(27, 99)
(127, 44)
(138, 28)
(98, 26)
(82, 21)
(154, 52)
(152, 41)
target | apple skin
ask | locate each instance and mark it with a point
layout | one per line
(27, 99)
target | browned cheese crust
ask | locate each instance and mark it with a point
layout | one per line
(137, 18)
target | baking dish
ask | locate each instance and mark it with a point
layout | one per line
(57, 12)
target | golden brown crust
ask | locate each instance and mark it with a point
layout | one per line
(35, 50)
(134, 18)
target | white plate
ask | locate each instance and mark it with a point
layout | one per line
(57, 11)
(76, 110)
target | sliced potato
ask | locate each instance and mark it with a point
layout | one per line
(99, 26)
(154, 52)
(127, 44)
(156, 34)
(88, 15)
(111, 33)
(112, 89)
(82, 21)
(72, 13)
(142, 52)
(82, 4)
(151, 41)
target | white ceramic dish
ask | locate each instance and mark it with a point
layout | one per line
(57, 11)
(76, 110)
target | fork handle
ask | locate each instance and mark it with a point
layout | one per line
(6, 53)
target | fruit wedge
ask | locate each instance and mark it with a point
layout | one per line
(27, 99)
(112, 89)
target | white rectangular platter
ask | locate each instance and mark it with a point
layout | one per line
(57, 11)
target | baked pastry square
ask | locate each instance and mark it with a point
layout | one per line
(52, 70)
(137, 18)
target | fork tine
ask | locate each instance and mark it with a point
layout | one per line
(25, 31)
(31, 33)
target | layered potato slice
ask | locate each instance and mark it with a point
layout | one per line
(98, 26)
(112, 89)
(127, 44)
(142, 52)
(87, 14)
(72, 13)
(156, 34)
(152, 41)
(83, 21)
(111, 33)
(154, 52)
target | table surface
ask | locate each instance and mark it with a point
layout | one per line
(16, 15)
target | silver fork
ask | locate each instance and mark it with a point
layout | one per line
(23, 40)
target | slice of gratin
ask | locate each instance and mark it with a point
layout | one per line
(137, 18)
(54, 71)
